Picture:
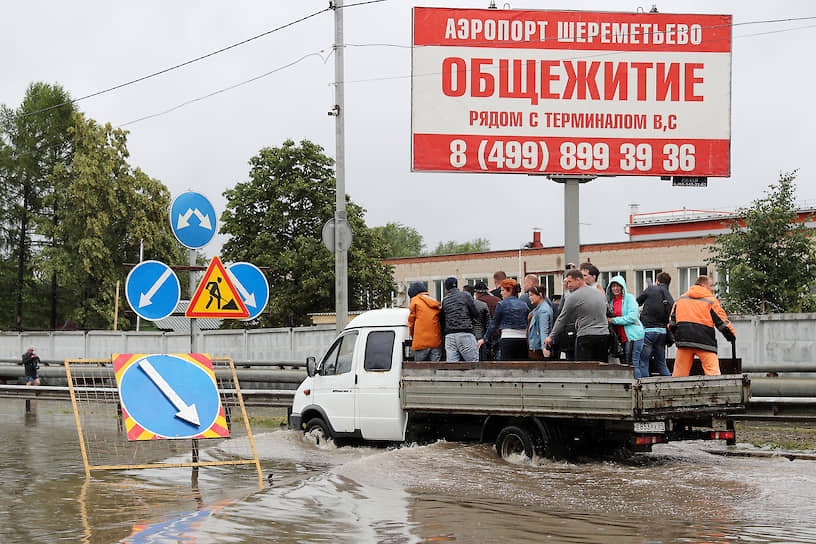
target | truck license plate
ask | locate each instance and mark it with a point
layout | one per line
(650, 427)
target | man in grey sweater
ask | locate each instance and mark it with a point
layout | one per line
(588, 311)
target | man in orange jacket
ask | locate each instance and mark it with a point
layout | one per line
(424, 325)
(694, 317)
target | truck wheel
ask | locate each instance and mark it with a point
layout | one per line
(317, 430)
(515, 440)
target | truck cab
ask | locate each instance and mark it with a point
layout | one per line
(353, 390)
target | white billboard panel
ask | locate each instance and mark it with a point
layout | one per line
(571, 92)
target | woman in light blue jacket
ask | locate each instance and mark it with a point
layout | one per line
(541, 320)
(623, 315)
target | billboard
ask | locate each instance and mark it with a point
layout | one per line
(567, 92)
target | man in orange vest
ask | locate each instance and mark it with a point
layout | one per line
(694, 317)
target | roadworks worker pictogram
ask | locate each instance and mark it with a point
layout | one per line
(216, 296)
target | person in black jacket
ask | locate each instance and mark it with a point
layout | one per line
(657, 303)
(31, 363)
(458, 313)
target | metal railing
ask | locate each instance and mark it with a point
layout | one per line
(775, 398)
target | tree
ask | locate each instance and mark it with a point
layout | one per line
(34, 139)
(275, 220)
(103, 209)
(768, 255)
(452, 247)
(402, 241)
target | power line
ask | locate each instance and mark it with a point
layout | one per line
(402, 46)
(331, 7)
(200, 58)
(225, 89)
(584, 56)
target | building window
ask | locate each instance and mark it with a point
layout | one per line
(439, 289)
(687, 275)
(643, 279)
(474, 281)
(547, 281)
(604, 277)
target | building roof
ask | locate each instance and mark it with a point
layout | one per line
(691, 223)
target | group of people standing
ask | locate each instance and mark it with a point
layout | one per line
(588, 323)
(476, 324)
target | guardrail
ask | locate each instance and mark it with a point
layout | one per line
(281, 364)
(759, 408)
(278, 398)
(265, 374)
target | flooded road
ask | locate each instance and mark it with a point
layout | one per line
(442, 492)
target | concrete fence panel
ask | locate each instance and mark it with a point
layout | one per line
(228, 343)
(269, 345)
(312, 341)
(176, 342)
(767, 343)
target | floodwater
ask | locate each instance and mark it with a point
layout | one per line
(443, 492)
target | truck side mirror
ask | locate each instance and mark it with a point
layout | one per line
(311, 363)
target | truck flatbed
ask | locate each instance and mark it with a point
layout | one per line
(591, 390)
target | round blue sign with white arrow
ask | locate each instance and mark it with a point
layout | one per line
(169, 396)
(192, 218)
(152, 289)
(251, 285)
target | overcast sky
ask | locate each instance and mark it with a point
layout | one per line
(205, 146)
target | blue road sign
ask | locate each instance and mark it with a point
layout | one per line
(251, 285)
(192, 218)
(169, 396)
(152, 290)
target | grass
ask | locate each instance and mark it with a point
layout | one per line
(791, 437)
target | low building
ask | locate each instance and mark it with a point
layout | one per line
(674, 242)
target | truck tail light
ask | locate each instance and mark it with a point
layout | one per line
(307, 392)
(722, 435)
(655, 439)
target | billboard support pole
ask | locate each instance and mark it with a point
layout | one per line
(572, 217)
(572, 232)
(340, 250)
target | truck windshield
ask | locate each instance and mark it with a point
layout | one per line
(338, 359)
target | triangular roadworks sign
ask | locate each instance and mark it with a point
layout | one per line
(216, 296)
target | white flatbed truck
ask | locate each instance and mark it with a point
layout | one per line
(364, 389)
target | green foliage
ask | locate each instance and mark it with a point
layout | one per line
(275, 220)
(452, 247)
(102, 210)
(402, 241)
(32, 143)
(768, 255)
(74, 212)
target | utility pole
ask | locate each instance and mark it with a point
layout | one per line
(340, 246)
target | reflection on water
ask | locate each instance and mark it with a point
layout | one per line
(443, 492)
